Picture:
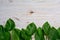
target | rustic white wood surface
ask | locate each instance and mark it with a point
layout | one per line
(20, 12)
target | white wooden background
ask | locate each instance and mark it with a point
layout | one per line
(19, 11)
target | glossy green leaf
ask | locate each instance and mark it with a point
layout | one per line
(9, 32)
(53, 34)
(7, 35)
(24, 36)
(31, 28)
(1, 28)
(58, 31)
(46, 27)
(17, 31)
(4, 36)
(15, 34)
(39, 35)
(10, 24)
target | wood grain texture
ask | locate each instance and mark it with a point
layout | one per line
(43, 10)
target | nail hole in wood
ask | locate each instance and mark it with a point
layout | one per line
(31, 12)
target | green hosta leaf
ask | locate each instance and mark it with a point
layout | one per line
(31, 28)
(15, 34)
(46, 28)
(24, 36)
(39, 35)
(10, 24)
(53, 34)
